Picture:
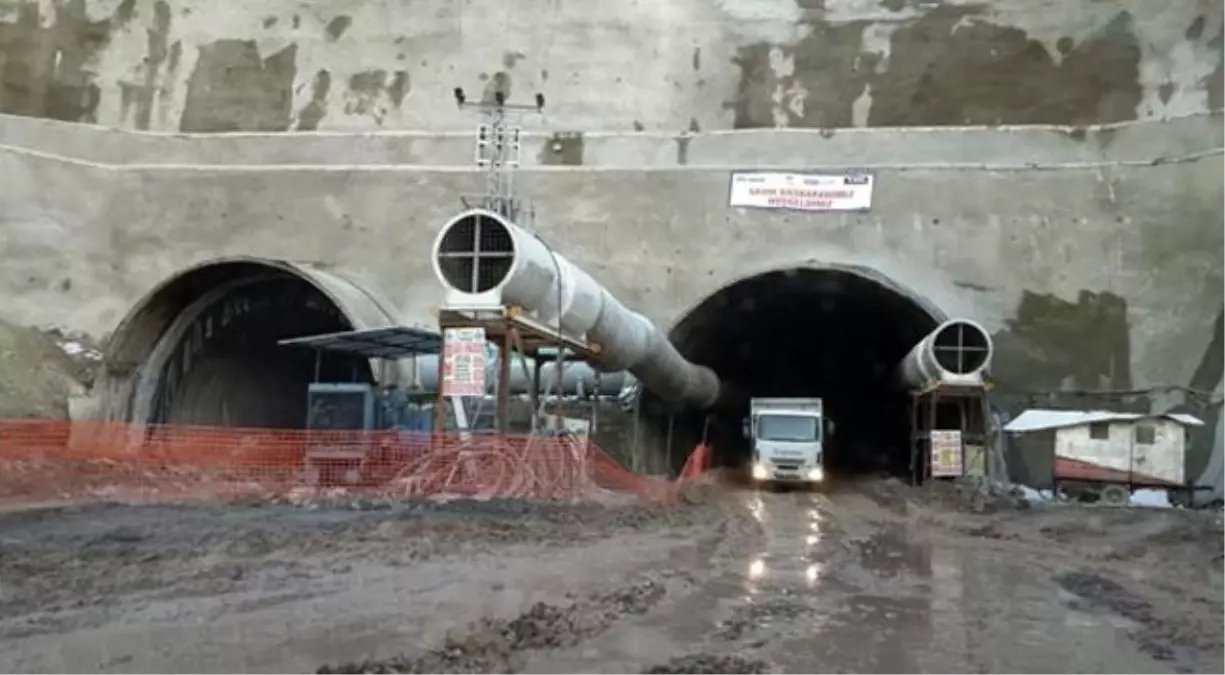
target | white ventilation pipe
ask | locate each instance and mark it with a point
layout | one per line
(577, 378)
(957, 353)
(483, 259)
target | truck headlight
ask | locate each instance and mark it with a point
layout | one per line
(760, 472)
(816, 474)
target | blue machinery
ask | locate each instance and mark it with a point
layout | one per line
(362, 405)
(357, 405)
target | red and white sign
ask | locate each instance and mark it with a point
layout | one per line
(463, 362)
(947, 456)
(801, 191)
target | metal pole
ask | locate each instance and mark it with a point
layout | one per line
(668, 442)
(915, 442)
(932, 403)
(635, 452)
(557, 379)
(440, 412)
(963, 424)
(915, 439)
(503, 424)
(595, 405)
(536, 366)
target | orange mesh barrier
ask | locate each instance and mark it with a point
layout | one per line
(53, 461)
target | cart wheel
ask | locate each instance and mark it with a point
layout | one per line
(1116, 495)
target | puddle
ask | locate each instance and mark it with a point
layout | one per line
(889, 553)
(796, 547)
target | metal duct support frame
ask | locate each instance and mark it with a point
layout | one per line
(484, 260)
(957, 353)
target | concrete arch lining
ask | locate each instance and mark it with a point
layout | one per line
(138, 350)
(680, 323)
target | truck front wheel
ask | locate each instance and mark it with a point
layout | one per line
(1115, 495)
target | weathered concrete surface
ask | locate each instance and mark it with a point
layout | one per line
(943, 230)
(283, 65)
(1132, 248)
(1094, 256)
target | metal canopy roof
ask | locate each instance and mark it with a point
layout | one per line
(392, 342)
(1042, 420)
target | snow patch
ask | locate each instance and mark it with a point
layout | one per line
(1158, 499)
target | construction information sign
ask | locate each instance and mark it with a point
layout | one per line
(463, 362)
(947, 459)
(801, 191)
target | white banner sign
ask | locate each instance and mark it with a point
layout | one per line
(802, 191)
(946, 451)
(463, 364)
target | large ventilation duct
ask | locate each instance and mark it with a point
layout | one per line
(484, 260)
(958, 352)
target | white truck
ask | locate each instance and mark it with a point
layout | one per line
(787, 436)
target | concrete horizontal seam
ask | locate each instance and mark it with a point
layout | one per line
(612, 133)
(420, 168)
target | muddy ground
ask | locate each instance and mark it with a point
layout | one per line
(871, 577)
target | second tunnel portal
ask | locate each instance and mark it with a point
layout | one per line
(832, 332)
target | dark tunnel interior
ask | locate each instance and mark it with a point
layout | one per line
(830, 333)
(227, 368)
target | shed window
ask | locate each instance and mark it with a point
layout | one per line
(1099, 431)
(1146, 434)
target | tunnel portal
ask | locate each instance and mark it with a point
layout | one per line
(205, 347)
(228, 369)
(837, 333)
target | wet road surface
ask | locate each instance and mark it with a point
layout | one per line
(840, 583)
(862, 579)
(869, 595)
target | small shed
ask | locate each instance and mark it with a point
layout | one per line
(1104, 447)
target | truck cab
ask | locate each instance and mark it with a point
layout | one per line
(787, 437)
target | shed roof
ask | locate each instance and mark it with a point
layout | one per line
(388, 342)
(1041, 420)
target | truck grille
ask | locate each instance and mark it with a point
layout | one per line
(786, 465)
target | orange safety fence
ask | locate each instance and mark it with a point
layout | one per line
(56, 461)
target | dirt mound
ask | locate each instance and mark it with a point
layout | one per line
(36, 376)
(1138, 535)
(970, 494)
(81, 349)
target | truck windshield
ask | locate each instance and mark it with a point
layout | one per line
(793, 428)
